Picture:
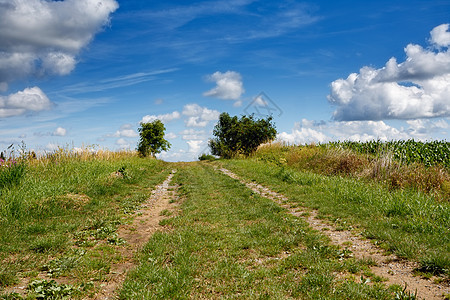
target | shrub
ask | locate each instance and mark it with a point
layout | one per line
(208, 157)
(236, 136)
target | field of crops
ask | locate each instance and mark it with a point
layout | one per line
(409, 151)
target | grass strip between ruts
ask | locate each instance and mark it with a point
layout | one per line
(229, 242)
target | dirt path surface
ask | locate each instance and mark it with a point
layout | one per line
(395, 271)
(137, 234)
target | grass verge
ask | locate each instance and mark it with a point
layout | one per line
(59, 222)
(412, 224)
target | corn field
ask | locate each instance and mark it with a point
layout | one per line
(406, 151)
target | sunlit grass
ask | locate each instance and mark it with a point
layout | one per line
(70, 200)
(412, 224)
(231, 243)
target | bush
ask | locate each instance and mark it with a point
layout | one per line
(236, 136)
(208, 157)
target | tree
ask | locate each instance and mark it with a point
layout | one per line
(240, 136)
(151, 139)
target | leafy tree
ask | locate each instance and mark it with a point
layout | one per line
(151, 139)
(240, 136)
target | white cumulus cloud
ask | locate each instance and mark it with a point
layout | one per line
(60, 131)
(191, 134)
(39, 37)
(126, 130)
(195, 146)
(30, 99)
(419, 87)
(306, 131)
(440, 35)
(422, 129)
(123, 144)
(163, 118)
(229, 86)
(170, 136)
(198, 116)
(303, 135)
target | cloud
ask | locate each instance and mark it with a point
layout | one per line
(179, 155)
(263, 19)
(307, 131)
(191, 134)
(170, 136)
(229, 86)
(28, 100)
(52, 147)
(440, 35)
(199, 116)
(126, 130)
(422, 129)
(416, 88)
(60, 131)
(259, 101)
(284, 18)
(44, 37)
(302, 135)
(123, 144)
(115, 82)
(163, 118)
(177, 16)
(195, 146)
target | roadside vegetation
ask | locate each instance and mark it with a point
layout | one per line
(59, 215)
(403, 207)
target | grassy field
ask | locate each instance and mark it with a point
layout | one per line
(229, 242)
(412, 225)
(59, 216)
(345, 187)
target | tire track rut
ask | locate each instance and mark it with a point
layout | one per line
(390, 267)
(145, 223)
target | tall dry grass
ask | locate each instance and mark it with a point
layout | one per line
(79, 154)
(337, 161)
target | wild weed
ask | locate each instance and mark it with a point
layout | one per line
(380, 164)
(11, 173)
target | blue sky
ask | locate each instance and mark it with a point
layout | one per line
(77, 73)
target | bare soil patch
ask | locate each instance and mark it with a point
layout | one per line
(145, 223)
(388, 266)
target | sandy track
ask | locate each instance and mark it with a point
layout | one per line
(387, 266)
(136, 235)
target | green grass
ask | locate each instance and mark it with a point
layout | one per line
(59, 215)
(428, 153)
(229, 242)
(62, 215)
(11, 173)
(412, 224)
